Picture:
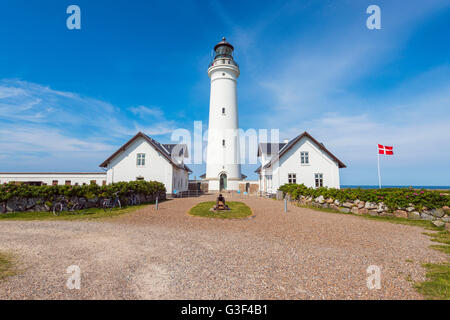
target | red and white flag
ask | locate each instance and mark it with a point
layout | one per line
(389, 151)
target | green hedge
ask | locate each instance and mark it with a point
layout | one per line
(394, 197)
(49, 193)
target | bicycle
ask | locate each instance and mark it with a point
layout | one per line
(133, 199)
(110, 203)
(71, 207)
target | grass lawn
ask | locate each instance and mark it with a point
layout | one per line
(437, 285)
(238, 210)
(6, 266)
(93, 213)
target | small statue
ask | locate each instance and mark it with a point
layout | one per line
(220, 204)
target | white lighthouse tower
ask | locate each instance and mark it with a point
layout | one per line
(223, 169)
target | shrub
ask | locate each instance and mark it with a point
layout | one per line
(394, 197)
(51, 193)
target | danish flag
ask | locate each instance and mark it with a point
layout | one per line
(389, 151)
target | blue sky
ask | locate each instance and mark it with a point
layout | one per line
(68, 99)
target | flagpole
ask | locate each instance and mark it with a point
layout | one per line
(379, 175)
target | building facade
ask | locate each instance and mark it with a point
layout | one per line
(143, 158)
(302, 160)
(54, 178)
(223, 169)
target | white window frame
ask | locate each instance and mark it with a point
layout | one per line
(140, 160)
(304, 158)
(318, 180)
(292, 178)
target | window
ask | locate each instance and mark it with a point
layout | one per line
(319, 180)
(104, 183)
(292, 178)
(93, 182)
(223, 143)
(140, 179)
(54, 182)
(304, 157)
(223, 110)
(140, 162)
(68, 182)
(269, 181)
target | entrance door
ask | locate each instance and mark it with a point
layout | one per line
(223, 182)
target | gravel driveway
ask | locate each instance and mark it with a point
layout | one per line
(166, 254)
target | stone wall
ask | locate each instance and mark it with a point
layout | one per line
(253, 187)
(38, 204)
(440, 216)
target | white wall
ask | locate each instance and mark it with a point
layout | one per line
(48, 178)
(319, 162)
(180, 179)
(223, 159)
(157, 167)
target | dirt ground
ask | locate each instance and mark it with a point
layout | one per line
(167, 254)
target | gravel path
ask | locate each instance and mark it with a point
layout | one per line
(302, 254)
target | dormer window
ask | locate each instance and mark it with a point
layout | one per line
(140, 160)
(223, 111)
(223, 143)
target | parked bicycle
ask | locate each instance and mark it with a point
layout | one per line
(3, 208)
(133, 199)
(111, 203)
(65, 205)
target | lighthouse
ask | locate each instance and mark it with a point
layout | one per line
(223, 169)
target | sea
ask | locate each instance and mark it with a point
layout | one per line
(387, 187)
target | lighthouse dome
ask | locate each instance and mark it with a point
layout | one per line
(223, 49)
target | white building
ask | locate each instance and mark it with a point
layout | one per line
(302, 160)
(143, 158)
(223, 169)
(54, 178)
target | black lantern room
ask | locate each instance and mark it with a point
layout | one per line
(223, 50)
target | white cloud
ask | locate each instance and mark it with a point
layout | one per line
(144, 111)
(42, 127)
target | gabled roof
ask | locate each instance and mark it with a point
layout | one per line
(165, 150)
(269, 148)
(182, 149)
(293, 142)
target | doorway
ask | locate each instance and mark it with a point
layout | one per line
(223, 182)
